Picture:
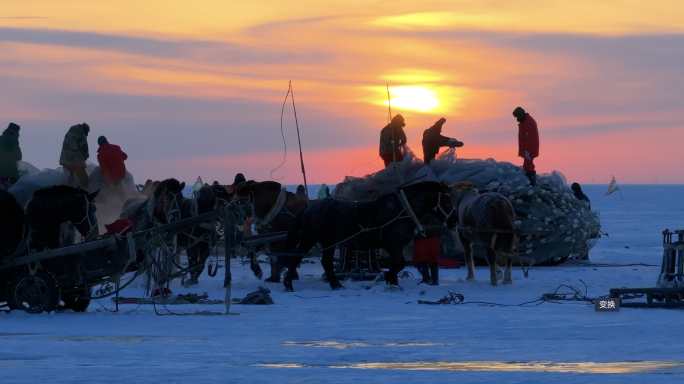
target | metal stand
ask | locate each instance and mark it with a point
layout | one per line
(230, 246)
(358, 264)
(672, 270)
(669, 291)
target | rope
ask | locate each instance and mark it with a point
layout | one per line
(282, 132)
(364, 164)
(554, 297)
(366, 229)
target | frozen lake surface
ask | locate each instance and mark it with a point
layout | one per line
(316, 335)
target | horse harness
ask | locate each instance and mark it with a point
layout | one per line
(175, 207)
(406, 207)
(277, 208)
(91, 225)
(206, 236)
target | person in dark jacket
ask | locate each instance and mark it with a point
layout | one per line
(577, 191)
(392, 138)
(246, 229)
(111, 159)
(10, 153)
(239, 179)
(74, 155)
(528, 142)
(301, 193)
(433, 141)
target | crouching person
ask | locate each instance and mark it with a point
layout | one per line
(426, 249)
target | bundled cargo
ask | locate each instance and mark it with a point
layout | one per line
(549, 206)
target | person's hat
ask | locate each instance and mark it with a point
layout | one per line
(13, 128)
(239, 178)
(576, 187)
(519, 112)
(399, 119)
(101, 140)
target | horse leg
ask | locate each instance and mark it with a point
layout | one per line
(291, 270)
(396, 265)
(276, 269)
(254, 265)
(193, 260)
(468, 249)
(508, 278)
(329, 267)
(491, 260)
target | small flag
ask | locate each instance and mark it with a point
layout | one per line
(196, 187)
(612, 187)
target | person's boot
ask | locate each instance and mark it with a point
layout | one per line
(533, 177)
(434, 272)
(425, 273)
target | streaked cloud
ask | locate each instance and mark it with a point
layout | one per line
(198, 87)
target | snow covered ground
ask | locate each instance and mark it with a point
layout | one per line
(369, 335)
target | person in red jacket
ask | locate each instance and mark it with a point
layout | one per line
(528, 142)
(111, 159)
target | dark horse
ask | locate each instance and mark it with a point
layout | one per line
(274, 211)
(381, 223)
(487, 211)
(200, 239)
(163, 207)
(50, 208)
(13, 226)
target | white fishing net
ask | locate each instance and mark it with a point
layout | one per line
(108, 203)
(548, 206)
(373, 185)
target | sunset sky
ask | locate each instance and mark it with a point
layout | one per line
(195, 88)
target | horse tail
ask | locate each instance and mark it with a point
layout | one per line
(504, 219)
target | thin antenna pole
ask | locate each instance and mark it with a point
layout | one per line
(394, 151)
(301, 156)
(623, 200)
(389, 105)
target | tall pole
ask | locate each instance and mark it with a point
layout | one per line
(394, 149)
(301, 156)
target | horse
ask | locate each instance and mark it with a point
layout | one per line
(163, 207)
(50, 208)
(13, 226)
(200, 239)
(274, 211)
(380, 223)
(485, 211)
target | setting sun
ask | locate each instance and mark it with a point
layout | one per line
(416, 98)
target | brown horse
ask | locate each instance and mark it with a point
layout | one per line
(476, 214)
(274, 211)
